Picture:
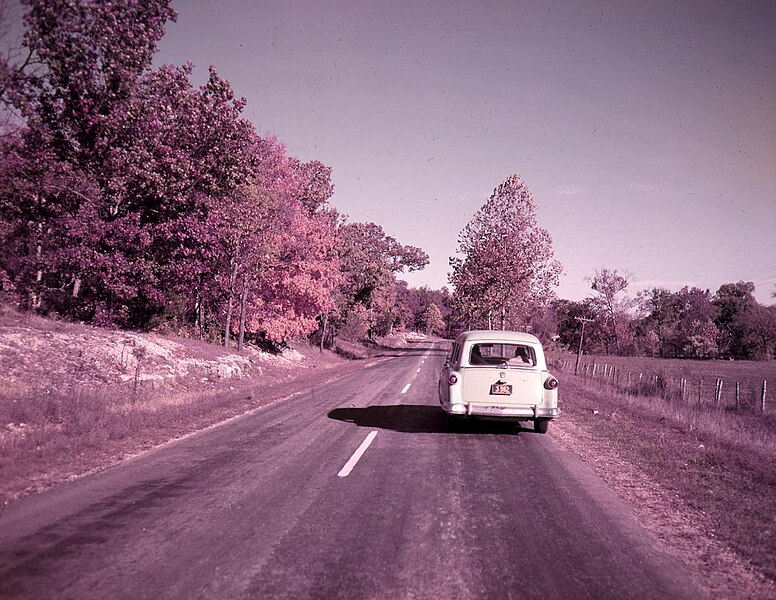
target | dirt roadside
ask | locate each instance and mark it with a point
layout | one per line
(75, 399)
(697, 510)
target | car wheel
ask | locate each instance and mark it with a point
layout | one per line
(541, 425)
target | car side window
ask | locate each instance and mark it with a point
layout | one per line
(453, 359)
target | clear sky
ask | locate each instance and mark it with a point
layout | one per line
(645, 129)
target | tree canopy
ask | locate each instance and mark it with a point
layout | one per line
(131, 198)
(505, 265)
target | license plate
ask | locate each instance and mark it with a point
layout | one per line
(500, 389)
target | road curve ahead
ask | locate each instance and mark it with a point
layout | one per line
(352, 490)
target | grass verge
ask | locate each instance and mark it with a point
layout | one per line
(54, 435)
(703, 480)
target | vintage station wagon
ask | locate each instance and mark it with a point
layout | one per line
(498, 375)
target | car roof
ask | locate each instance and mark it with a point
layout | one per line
(485, 335)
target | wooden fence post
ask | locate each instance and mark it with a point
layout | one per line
(700, 391)
(762, 396)
(738, 395)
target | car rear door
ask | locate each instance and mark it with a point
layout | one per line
(502, 386)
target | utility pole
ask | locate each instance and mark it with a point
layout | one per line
(584, 321)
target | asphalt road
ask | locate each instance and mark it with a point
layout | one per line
(289, 502)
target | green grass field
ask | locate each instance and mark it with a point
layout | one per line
(715, 463)
(700, 378)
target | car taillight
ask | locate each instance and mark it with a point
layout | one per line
(551, 384)
(453, 379)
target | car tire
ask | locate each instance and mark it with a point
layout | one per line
(541, 425)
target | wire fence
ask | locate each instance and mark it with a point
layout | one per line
(718, 392)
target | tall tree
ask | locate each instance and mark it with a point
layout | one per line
(279, 266)
(758, 331)
(370, 261)
(83, 63)
(85, 59)
(505, 264)
(735, 302)
(431, 320)
(682, 322)
(118, 165)
(612, 304)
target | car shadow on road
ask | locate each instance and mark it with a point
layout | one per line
(414, 418)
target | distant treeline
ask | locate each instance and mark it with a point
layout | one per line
(689, 323)
(505, 273)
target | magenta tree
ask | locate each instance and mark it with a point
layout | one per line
(370, 261)
(82, 65)
(130, 198)
(505, 263)
(278, 262)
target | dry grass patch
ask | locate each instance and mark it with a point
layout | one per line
(50, 437)
(703, 477)
(694, 381)
(72, 399)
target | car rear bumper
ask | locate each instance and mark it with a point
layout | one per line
(514, 412)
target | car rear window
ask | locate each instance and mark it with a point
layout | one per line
(517, 355)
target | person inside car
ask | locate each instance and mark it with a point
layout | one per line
(521, 356)
(476, 356)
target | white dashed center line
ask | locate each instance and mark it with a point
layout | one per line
(345, 471)
(406, 387)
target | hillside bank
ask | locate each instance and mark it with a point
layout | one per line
(76, 398)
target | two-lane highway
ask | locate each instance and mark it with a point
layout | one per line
(353, 490)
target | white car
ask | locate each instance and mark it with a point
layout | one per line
(498, 375)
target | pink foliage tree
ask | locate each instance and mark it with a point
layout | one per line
(280, 249)
(129, 197)
(505, 264)
(370, 261)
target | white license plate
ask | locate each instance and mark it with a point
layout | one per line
(500, 389)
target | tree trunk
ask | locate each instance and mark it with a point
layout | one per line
(76, 287)
(229, 304)
(228, 322)
(243, 311)
(323, 332)
(37, 250)
(200, 314)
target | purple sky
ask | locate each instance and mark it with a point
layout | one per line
(646, 130)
